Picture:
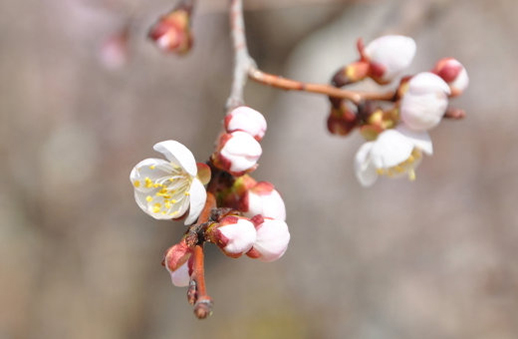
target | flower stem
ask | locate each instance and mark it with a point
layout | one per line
(203, 305)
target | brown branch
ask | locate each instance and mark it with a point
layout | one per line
(331, 91)
(203, 305)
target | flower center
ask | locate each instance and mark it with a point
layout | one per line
(171, 192)
(407, 166)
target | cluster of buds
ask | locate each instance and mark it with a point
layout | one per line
(235, 212)
(396, 128)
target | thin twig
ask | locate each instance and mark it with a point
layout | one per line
(245, 66)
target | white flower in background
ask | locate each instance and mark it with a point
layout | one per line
(167, 189)
(394, 153)
(234, 235)
(265, 200)
(425, 101)
(453, 73)
(246, 119)
(238, 153)
(272, 240)
(389, 56)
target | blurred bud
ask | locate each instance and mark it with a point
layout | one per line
(237, 153)
(453, 73)
(424, 102)
(342, 120)
(388, 56)
(172, 32)
(351, 73)
(246, 119)
(272, 240)
(265, 200)
(234, 235)
(114, 53)
(177, 263)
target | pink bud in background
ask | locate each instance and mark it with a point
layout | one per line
(237, 153)
(272, 240)
(424, 102)
(246, 119)
(234, 235)
(178, 264)
(453, 73)
(114, 53)
(388, 56)
(264, 199)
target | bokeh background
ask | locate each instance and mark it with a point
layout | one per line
(436, 258)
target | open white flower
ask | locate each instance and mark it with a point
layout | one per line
(390, 55)
(394, 153)
(167, 189)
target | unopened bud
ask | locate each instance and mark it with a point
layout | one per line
(234, 235)
(388, 56)
(453, 73)
(237, 153)
(172, 32)
(177, 263)
(424, 102)
(272, 240)
(114, 53)
(246, 119)
(342, 120)
(264, 199)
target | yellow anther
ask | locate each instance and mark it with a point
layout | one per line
(173, 201)
(136, 183)
(187, 193)
(152, 167)
(149, 182)
(174, 213)
(149, 198)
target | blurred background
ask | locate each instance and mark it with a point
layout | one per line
(436, 258)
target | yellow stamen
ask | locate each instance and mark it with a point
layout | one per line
(149, 198)
(136, 183)
(149, 182)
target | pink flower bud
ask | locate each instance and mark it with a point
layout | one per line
(114, 52)
(172, 32)
(272, 240)
(263, 199)
(389, 56)
(237, 153)
(425, 101)
(234, 235)
(178, 264)
(247, 120)
(453, 73)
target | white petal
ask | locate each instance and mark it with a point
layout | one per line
(420, 139)
(242, 150)
(461, 82)
(363, 167)
(268, 205)
(272, 241)
(180, 277)
(246, 119)
(427, 82)
(178, 154)
(241, 236)
(197, 197)
(394, 52)
(390, 149)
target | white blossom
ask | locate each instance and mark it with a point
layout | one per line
(424, 103)
(394, 153)
(238, 152)
(235, 235)
(265, 200)
(390, 55)
(248, 120)
(272, 240)
(168, 189)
